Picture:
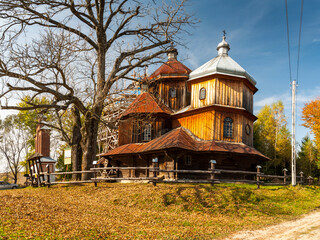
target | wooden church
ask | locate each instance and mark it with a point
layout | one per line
(187, 118)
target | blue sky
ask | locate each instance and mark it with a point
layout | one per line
(257, 34)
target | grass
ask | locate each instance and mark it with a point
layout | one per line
(141, 211)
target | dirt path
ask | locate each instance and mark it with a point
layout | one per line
(305, 228)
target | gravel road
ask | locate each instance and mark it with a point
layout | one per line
(305, 228)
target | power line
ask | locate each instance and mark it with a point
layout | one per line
(288, 36)
(298, 61)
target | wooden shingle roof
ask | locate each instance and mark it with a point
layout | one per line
(181, 138)
(146, 103)
(172, 68)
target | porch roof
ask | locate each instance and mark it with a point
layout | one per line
(182, 138)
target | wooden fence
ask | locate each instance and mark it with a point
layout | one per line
(107, 174)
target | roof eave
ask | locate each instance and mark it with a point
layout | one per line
(244, 75)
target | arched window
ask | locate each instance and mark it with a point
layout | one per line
(172, 93)
(227, 127)
(146, 135)
(202, 94)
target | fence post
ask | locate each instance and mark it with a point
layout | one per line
(48, 178)
(95, 180)
(155, 166)
(212, 167)
(285, 176)
(258, 176)
(301, 177)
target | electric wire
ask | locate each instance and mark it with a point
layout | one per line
(288, 36)
(298, 61)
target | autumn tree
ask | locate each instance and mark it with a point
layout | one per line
(308, 159)
(65, 123)
(311, 118)
(272, 137)
(13, 144)
(29, 118)
(117, 36)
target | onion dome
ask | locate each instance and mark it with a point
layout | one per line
(223, 47)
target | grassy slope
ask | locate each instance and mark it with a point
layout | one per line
(141, 211)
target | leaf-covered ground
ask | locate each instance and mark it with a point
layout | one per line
(141, 211)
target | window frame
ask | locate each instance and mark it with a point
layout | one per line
(228, 127)
(172, 92)
(248, 129)
(202, 91)
(147, 132)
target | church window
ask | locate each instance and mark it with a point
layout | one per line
(248, 129)
(202, 94)
(227, 127)
(172, 93)
(146, 136)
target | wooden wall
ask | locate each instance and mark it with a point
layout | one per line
(247, 139)
(222, 91)
(247, 99)
(160, 89)
(125, 131)
(209, 85)
(131, 129)
(208, 125)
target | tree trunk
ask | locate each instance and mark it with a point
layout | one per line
(76, 150)
(15, 175)
(92, 117)
(90, 140)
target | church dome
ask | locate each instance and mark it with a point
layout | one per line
(222, 64)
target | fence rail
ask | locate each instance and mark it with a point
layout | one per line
(109, 174)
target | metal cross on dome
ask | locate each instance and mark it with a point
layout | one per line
(224, 33)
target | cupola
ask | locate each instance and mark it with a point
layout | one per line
(222, 64)
(172, 53)
(223, 47)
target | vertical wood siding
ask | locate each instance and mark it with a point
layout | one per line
(180, 101)
(209, 85)
(247, 139)
(221, 91)
(247, 99)
(125, 131)
(131, 129)
(209, 125)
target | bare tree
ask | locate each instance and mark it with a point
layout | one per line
(13, 144)
(117, 35)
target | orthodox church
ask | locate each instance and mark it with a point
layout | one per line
(187, 118)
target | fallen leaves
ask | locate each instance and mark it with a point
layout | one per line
(141, 211)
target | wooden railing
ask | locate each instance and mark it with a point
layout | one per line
(107, 174)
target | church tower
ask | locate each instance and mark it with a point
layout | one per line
(221, 100)
(169, 82)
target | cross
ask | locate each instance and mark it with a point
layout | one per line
(224, 33)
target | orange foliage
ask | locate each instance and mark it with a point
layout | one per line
(311, 118)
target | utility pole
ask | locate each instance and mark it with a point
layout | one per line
(293, 137)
